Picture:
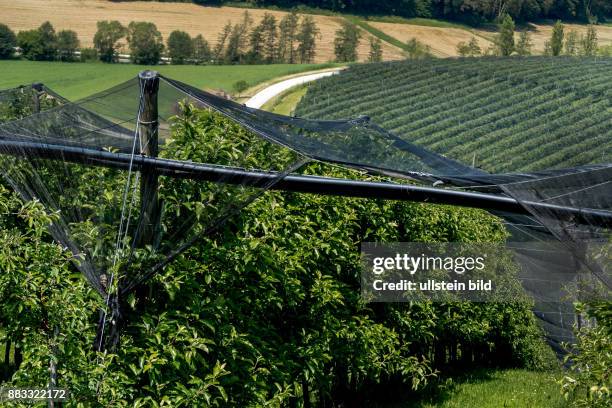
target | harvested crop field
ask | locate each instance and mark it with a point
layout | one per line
(82, 15)
(443, 41)
(540, 33)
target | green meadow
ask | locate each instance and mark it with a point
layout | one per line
(76, 80)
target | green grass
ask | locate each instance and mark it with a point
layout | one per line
(77, 80)
(427, 22)
(514, 388)
(377, 33)
(285, 103)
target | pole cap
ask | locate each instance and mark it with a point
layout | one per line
(148, 74)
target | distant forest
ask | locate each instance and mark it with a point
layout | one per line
(469, 11)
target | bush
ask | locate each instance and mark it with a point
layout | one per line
(145, 43)
(8, 42)
(240, 86)
(588, 382)
(417, 50)
(89, 55)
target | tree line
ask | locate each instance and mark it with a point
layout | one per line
(560, 42)
(290, 40)
(469, 11)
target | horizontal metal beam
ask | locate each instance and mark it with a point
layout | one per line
(299, 183)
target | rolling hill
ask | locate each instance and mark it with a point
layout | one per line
(81, 15)
(501, 114)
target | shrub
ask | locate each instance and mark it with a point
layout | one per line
(416, 49)
(588, 382)
(240, 86)
(89, 55)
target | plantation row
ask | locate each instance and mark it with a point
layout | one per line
(503, 114)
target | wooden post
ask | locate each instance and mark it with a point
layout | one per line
(148, 129)
(38, 89)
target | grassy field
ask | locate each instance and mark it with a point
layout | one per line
(76, 80)
(82, 15)
(286, 102)
(494, 389)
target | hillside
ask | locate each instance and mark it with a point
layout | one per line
(82, 15)
(502, 114)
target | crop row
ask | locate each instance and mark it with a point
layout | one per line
(510, 114)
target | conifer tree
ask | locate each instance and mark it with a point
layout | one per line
(556, 39)
(375, 50)
(588, 42)
(307, 38)
(237, 42)
(221, 40)
(286, 43)
(270, 38)
(346, 42)
(505, 39)
(571, 43)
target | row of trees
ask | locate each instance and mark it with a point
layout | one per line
(560, 43)
(570, 43)
(291, 40)
(41, 44)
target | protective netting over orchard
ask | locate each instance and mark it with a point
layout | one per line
(111, 166)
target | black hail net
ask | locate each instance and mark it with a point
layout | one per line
(84, 162)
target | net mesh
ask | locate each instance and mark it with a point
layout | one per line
(86, 162)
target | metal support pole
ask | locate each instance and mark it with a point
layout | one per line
(148, 133)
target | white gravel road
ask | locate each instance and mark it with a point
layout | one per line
(263, 96)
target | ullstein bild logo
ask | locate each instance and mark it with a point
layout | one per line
(404, 272)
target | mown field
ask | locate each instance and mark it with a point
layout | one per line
(82, 15)
(502, 114)
(76, 80)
